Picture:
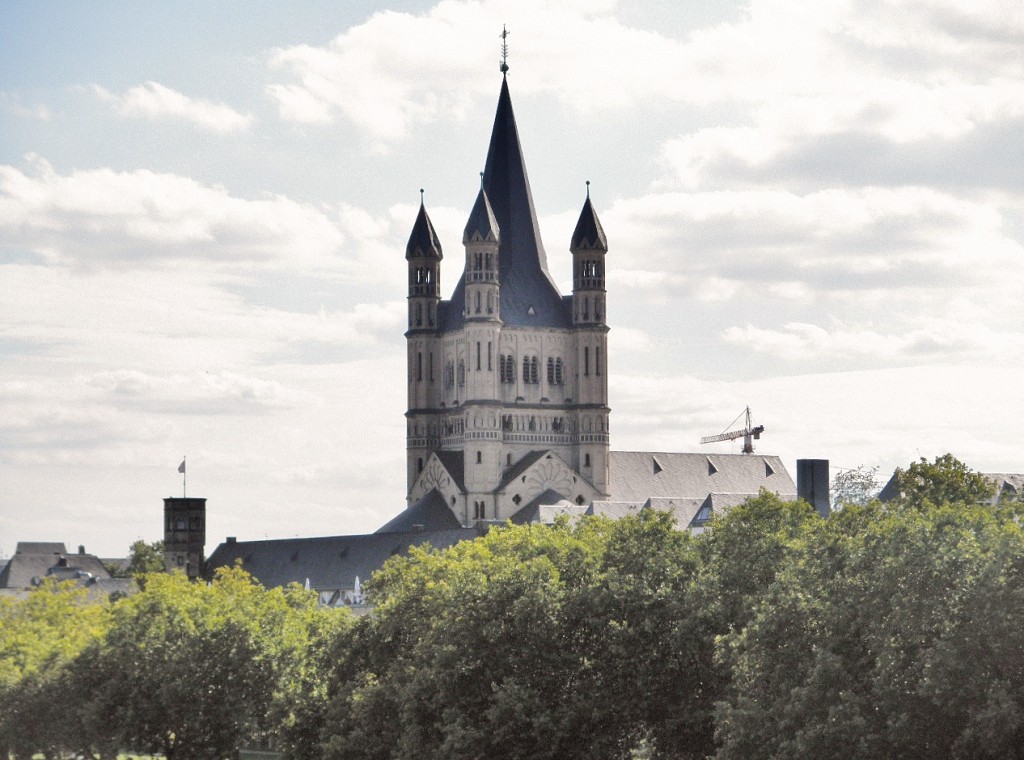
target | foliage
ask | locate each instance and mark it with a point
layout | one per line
(40, 636)
(887, 630)
(947, 480)
(522, 644)
(145, 558)
(856, 486)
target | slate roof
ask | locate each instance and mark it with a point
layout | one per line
(33, 561)
(1007, 483)
(545, 507)
(429, 513)
(529, 295)
(588, 233)
(331, 562)
(636, 476)
(423, 242)
(455, 463)
(481, 225)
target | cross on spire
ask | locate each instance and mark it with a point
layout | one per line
(504, 50)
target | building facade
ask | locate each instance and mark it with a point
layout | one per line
(507, 379)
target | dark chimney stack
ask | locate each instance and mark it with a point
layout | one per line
(812, 484)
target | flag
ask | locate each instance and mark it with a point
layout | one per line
(181, 467)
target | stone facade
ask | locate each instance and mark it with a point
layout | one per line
(507, 378)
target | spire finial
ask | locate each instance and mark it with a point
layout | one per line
(481, 180)
(421, 196)
(588, 188)
(504, 50)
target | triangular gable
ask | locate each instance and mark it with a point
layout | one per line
(438, 473)
(540, 472)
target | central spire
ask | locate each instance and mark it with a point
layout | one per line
(529, 295)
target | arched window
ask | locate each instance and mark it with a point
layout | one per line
(586, 460)
(554, 371)
(479, 458)
(597, 360)
(419, 314)
(586, 360)
(530, 370)
(462, 373)
(507, 365)
(419, 464)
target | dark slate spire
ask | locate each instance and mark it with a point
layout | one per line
(423, 242)
(481, 225)
(529, 295)
(589, 234)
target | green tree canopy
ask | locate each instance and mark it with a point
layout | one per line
(947, 480)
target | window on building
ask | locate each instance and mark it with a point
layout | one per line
(530, 370)
(449, 375)
(490, 358)
(478, 356)
(586, 360)
(419, 314)
(419, 365)
(462, 373)
(597, 360)
(507, 366)
(554, 371)
(586, 460)
(479, 457)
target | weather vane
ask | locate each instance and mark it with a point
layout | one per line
(504, 50)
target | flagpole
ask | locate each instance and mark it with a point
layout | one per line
(184, 476)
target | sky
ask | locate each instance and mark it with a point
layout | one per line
(814, 209)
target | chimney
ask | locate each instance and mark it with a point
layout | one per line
(231, 540)
(812, 484)
(81, 548)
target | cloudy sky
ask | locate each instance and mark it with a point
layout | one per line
(816, 209)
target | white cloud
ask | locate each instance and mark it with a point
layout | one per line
(931, 340)
(103, 215)
(152, 100)
(13, 103)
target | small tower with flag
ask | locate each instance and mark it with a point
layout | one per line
(184, 532)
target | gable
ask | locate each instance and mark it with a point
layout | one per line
(543, 472)
(443, 473)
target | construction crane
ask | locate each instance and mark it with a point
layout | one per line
(749, 433)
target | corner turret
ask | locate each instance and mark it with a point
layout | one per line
(423, 252)
(481, 239)
(588, 246)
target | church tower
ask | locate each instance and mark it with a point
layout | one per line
(508, 391)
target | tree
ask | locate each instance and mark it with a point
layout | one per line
(947, 480)
(40, 637)
(857, 486)
(191, 670)
(145, 558)
(895, 632)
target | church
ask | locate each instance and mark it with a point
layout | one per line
(508, 411)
